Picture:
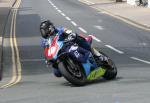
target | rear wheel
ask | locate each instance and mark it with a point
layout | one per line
(72, 71)
(110, 67)
(111, 70)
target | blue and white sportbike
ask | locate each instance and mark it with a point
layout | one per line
(74, 71)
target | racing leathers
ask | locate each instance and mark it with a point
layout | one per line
(78, 47)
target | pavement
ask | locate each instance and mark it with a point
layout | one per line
(5, 6)
(136, 15)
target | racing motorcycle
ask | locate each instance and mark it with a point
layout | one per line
(74, 71)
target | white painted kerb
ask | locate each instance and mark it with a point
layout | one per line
(148, 3)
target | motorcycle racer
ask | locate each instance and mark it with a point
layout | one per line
(48, 30)
(78, 46)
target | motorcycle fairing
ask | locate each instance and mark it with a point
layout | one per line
(87, 67)
(52, 51)
(97, 73)
(94, 74)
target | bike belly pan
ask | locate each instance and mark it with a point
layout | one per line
(96, 74)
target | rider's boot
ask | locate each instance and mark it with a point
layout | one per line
(103, 59)
(57, 72)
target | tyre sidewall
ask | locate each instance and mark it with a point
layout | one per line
(67, 75)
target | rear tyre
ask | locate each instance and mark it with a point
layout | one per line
(110, 67)
(72, 72)
(111, 70)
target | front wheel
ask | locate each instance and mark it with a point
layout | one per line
(72, 71)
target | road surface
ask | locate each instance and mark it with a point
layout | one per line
(33, 82)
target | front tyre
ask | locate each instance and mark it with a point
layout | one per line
(72, 72)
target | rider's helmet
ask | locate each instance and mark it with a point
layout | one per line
(47, 29)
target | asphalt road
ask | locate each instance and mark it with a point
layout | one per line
(128, 46)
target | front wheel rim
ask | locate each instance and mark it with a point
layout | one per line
(75, 71)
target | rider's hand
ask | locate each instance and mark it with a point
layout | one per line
(72, 36)
(45, 43)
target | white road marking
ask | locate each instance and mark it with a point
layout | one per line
(84, 31)
(63, 14)
(59, 11)
(56, 8)
(73, 23)
(68, 18)
(143, 44)
(95, 38)
(141, 60)
(99, 27)
(116, 50)
(49, 1)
